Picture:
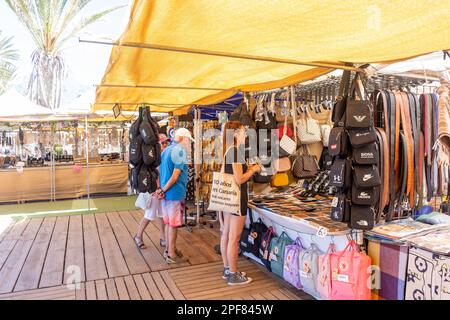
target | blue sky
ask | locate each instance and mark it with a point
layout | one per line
(85, 63)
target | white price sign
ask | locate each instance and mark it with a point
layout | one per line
(322, 232)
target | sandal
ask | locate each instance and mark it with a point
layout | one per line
(162, 243)
(139, 243)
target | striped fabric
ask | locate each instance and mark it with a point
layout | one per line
(390, 263)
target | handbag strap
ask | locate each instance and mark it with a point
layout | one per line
(222, 170)
(286, 115)
(293, 109)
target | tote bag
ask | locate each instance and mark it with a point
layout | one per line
(350, 274)
(225, 192)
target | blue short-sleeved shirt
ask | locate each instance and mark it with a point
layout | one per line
(174, 157)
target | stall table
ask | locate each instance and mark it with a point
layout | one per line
(34, 184)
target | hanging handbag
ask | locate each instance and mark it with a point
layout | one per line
(350, 274)
(305, 165)
(325, 130)
(277, 249)
(308, 130)
(358, 113)
(362, 217)
(340, 208)
(282, 164)
(280, 180)
(135, 150)
(148, 154)
(338, 142)
(146, 129)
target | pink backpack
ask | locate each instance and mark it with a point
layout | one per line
(290, 264)
(350, 274)
(323, 285)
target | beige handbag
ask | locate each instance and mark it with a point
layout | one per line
(282, 164)
(308, 130)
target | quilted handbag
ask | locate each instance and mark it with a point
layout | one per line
(277, 248)
(350, 274)
(323, 285)
(304, 166)
(308, 261)
(290, 265)
(308, 130)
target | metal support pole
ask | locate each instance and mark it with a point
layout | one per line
(86, 139)
(223, 54)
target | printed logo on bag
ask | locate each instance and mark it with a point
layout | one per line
(367, 177)
(359, 118)
(367, 155)
(150, 154)
(362, 134)
(337, 178)
(364, 195)
(342, 278)
(362, 223)
(145, 182)
(333, 146)
(343, 266)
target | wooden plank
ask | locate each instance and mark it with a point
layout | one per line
(152, 288)
(17, 230)
(13, 265)
(10, 240)
(142, 288)
(209, 275)
(80, 293)
(135, 262)
(31, 271)
(53, 272)
(74, 251)
(33, 294)
(132, 289)
(280, 295)
(101, 290)
(172, 286)
(269, 296)
(91, 293)
(249, 297)
(111, 289)
(115, 263)
(258, 296)
(289, 294)
(95, 262)
(121, 289)
(197, 251)
(165, 292)
(204, 266)
(198, 286)
(151, 254)
(230, 290)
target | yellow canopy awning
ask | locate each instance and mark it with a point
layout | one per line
(325, 31)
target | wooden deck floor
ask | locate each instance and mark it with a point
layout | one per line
(39, 257)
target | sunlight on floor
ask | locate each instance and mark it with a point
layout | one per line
(4, 223)
(44, 213)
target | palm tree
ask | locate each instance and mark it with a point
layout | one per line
(51, 24)
(7, 57)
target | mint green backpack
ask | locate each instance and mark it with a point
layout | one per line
(276, 257)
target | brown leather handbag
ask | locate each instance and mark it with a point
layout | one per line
(305, 165)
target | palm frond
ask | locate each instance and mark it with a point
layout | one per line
(83, 24)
